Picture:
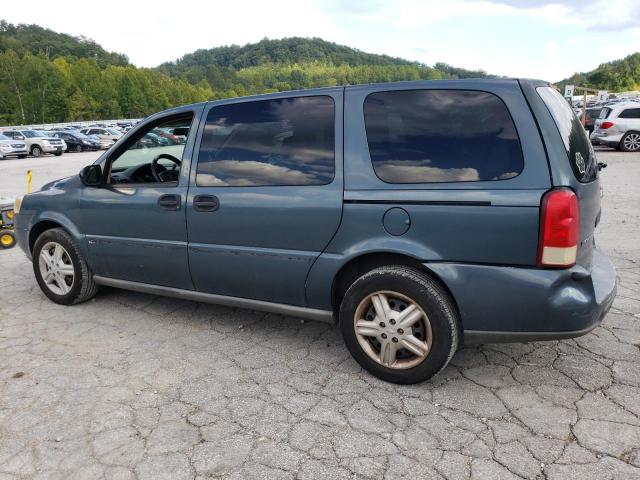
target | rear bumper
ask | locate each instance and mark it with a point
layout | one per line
(605, 137)
(508, 304)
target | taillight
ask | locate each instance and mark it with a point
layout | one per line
(559, 229)
(605, 125)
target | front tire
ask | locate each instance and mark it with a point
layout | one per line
(630, 142)
(36, 151)
(399, 324)
(61, 272)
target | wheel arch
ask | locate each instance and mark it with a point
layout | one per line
(365, 262)
(50, 220)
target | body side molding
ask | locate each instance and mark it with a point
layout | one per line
(324, 316)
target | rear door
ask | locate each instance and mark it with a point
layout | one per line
(265, 194)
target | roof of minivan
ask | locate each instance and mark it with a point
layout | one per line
(468, 82)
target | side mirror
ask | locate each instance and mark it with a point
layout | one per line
(91, 175)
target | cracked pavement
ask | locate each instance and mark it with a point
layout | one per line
(132, 386)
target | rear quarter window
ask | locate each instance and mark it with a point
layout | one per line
(630, 113)
(577, 145)
(427, 136)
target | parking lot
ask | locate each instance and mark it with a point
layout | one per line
(135, 386)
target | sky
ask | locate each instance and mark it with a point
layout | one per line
(545, 39)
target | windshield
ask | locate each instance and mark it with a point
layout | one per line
(2, 137)
(33, 134)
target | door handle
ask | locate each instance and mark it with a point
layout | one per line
(206, 203)
(170, 202)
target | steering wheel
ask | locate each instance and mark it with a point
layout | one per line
(164, 175)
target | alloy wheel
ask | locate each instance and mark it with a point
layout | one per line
(632, 142)
(393, 330)
(56, 268)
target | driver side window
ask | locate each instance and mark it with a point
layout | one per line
(152, 155)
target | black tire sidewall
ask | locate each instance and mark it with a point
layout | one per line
(56, 235)
(36, 151)
(432, 300)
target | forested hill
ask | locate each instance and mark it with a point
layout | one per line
(35, 39)
(284, 51)
(293, 63)
(617, 76)
(48, 77)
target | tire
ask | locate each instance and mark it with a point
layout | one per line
(36, 151)
(630, 142)
(57, 154)
(439, 331)
(78, 148)
(82, 286)
(7, 239)
(22, 156)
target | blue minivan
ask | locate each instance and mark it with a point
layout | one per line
(417, 216)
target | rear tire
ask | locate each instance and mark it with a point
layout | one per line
(80, 286)
(422, 342)
(630, 142)
(57, 154)
(78, 148)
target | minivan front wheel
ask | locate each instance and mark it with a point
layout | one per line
(399, 324)
(630, 142)
(61, 272)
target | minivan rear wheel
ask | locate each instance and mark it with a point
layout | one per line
(630, 142)
(399, 324)
(61, 272)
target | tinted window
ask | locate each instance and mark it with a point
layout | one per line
(576, 142)
(605, 112)
(630, 113)
(418, 136)
(287, 141)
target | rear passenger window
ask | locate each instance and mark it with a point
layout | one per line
(288, 141)
(421, 136)
(576, 143)
(630, 113)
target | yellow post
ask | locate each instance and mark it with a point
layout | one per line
(29, 177)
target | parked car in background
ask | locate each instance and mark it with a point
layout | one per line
(173, 139)
(38, 142)
(103, 133)
(78, 142)
(591, 115)
(387, 208)
(12, 148)
(619, 127)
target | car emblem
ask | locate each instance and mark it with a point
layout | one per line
(580, 163)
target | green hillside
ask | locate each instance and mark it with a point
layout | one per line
(617, 76)
(293, 63)
(50, 77)
(37, 40)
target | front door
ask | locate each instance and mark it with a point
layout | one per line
(266, 195)
(135, 223)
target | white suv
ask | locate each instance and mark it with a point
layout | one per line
(619, 126)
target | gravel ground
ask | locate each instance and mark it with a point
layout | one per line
(136, 386)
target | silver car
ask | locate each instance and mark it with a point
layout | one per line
(618, 126)
(38, 142)
(12, 148)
